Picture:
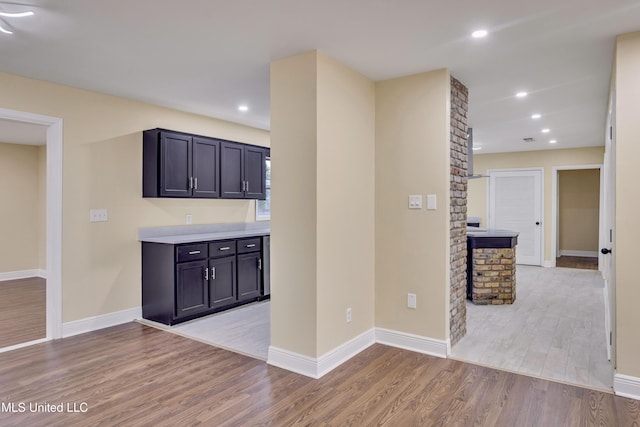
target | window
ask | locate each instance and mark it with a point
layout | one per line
(263, 207)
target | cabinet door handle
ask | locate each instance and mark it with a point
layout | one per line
(206, 273)
(226, 248)
(259, 264)
(251, 245)
(190, 182)
(195, 183)
(194, 252)
(213, 273)
(247, 186)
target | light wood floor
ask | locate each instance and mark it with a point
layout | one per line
(132, 375)
(555, 329)
(22, 311)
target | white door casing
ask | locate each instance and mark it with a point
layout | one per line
(608, 242)
(515, 203)
(54, 214)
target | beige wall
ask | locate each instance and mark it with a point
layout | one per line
(322, 124)
(102, 168)
(345, 197)
(579, 209)
(19, 218)
(547, 159)
(412, 246)
(293, 204)
(627, 233)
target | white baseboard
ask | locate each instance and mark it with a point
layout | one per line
(317, 367)
(23, 274)
(626, 386)
(568, 252)
(549, 263)
(99, 322)
(412, 342)
(21, 345)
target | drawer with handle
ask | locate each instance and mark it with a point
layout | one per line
(191, 252)
(222, 248)
(249, 245)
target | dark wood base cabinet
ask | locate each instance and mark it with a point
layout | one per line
(183, 282)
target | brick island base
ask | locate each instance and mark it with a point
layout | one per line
(493, 276)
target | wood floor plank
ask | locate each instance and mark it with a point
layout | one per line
(133, 375)
(23, 311)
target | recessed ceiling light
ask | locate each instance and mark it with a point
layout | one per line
(536, 116)
(521, 94)
(553, 141)
(479, 34)
(546, 130)
(243, 108)
(477, 148)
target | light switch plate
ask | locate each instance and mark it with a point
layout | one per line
(98, 215)
(411, 300)
(415, 202)
(431, 202)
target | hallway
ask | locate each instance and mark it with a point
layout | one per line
(554, 330)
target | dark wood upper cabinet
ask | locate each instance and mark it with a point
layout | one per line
(206, 167)
(232, 168)
(243, 171)
(255, 172)
(177, 164)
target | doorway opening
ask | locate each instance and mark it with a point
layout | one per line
(53, 218)
(577, 228)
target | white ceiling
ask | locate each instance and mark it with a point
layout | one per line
(209, 56)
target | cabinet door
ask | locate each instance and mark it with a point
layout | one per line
(206, 167)
(222, 281)
(192, 291)
(232, 170)
(175, 165)
(249, 275)
(254, 172)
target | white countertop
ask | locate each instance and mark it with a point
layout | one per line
(203, 233)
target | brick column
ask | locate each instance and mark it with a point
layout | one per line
(458, 212)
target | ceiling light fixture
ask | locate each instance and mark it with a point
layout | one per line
(521, 94)
(546, 130)
(16, 15)
(479, 34)
(553, 141)
(536, 116)
(243, 108)
(4, 26)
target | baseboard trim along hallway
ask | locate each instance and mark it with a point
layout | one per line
(626, 386)
(99, 322)
(317, 367)
(23, 274)
(417, 343)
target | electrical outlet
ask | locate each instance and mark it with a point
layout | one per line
(411, 300)
(98, 215)
(189, 219)
(348, 314)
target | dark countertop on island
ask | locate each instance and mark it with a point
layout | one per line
(491, 238)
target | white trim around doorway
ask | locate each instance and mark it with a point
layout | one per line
(54, 213)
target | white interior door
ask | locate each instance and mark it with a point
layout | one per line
(515, 203)
(608, 253)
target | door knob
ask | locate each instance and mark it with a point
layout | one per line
(537, 222)
(605, 251)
